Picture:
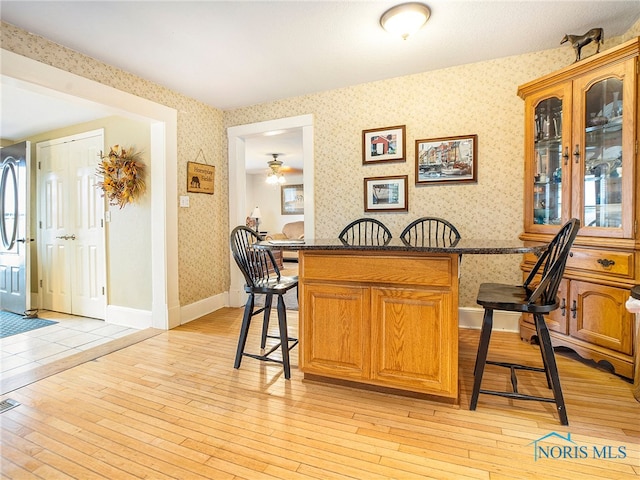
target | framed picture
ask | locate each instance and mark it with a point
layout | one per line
(447, 160)
(200, 177)
(387, 194)
(292, 199)
(383, 145)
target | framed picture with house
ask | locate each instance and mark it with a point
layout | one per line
(383, 145)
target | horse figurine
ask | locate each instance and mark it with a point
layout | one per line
(579, 41)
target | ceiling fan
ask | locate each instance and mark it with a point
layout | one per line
(275, 175)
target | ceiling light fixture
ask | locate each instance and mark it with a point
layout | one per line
(405, 19)
(275, 177)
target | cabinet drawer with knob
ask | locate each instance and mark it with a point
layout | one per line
(609, 262)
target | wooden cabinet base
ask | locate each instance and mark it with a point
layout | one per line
(373, 387)
(381, 320)
(620, 364)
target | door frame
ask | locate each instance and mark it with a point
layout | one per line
(165, 308)
(238, 211)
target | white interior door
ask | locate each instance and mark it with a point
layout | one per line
(14, 228)
(71, 225)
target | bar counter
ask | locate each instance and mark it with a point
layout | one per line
(460, 246)
(384, 316)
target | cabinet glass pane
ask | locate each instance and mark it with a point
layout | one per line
(547, 186)
(603, 154)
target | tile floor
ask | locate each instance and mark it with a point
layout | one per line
(72, 334)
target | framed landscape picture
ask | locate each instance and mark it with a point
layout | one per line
(292, 199)
(383, 145)
(447, 160)
(387, 194)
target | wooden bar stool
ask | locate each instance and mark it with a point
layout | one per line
(365, 230)
(262, 276)
(526, 299)
(430, 231)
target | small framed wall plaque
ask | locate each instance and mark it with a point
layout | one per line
(200, 177)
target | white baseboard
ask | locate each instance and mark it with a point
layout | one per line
(129, 317)
(472, 318)
(237, 298)
(467, 317)
(203, 307)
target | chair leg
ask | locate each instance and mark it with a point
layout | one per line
(549, 359)
(284, 336)
(481, 357)
(265, 322)
(244, 329)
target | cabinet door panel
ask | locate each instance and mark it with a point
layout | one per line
(599, 316)
(336, 331)
(604, 139)
(547, 166)
(414, 340)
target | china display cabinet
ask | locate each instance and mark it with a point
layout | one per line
(581, 160)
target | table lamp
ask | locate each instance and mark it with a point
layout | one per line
(257, 215)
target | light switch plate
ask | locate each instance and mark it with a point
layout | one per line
(184, 201)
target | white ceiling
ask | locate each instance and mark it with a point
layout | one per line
(231, 54)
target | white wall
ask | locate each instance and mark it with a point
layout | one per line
(267, 197)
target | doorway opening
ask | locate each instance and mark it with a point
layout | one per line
(164, 311)
(238, 206)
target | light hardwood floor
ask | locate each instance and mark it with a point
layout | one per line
(172, 406)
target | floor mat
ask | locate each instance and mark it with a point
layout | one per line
(13, 324)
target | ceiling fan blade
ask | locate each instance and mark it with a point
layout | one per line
(287, 169)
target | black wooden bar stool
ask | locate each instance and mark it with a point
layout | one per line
(526, 299)
(427, 231)
(262, 276)
(365, 230)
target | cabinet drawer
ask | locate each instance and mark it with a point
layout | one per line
(432, 270)
(619, 264)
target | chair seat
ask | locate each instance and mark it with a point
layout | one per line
(512, 298)
(273, 285)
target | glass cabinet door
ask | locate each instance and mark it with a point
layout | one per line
(603, 176)
(548, 161)
(602, 193)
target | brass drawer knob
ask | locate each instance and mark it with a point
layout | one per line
(605, 262)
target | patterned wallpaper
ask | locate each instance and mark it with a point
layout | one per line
(477, 98)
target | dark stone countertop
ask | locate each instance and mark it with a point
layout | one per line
(461, 246)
